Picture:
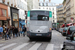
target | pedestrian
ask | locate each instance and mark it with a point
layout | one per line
(1, 30)
(13, 30)
(20, 31)
(24, 30)
(8, 33)
(16, 32)
(4, 32)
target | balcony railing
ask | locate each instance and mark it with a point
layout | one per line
(68, 14)
(68, 8)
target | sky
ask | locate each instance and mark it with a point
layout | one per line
(57, 1)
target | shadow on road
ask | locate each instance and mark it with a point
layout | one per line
(40, 40)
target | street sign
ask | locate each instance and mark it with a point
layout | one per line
(57, 23)
(72, 19)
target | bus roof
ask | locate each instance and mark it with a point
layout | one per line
(40, 10)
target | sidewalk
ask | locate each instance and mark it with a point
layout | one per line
(3, 40)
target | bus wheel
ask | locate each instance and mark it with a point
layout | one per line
(49, 39)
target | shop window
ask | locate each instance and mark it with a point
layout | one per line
(15, 16)
(3, 12)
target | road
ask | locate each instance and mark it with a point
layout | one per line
(23, 43)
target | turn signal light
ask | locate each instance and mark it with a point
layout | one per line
(50, 28)
(63, 31)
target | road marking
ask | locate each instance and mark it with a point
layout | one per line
(33, 42)
(49, 47)
(35, 47)
(21, 46)
(8, 46)
(1, 44)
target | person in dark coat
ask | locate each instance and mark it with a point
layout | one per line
(24, 30)
(13, 30)
(8, 33)
(16, 31)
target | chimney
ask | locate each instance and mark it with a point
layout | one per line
(49, 0)
(44, 0)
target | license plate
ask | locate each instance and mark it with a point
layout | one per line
(38, 34)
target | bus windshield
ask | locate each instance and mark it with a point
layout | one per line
(39, 15)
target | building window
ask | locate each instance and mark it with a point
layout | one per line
(39, 4)
(3, 1)
(53, 13)
(3, 12)
(53, 16)
(43, 4)
(49, 8)
(46, 4)
(39, 8)
(43, 8)
(53, 21)
(53, 8)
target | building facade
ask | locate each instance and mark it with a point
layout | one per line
(70, 10)
(14, 9)
(22, 6)
(32, 4)
(60, 16)
(4, 18)
(47, 5)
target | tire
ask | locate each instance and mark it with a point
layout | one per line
(30, 39)
(63, 47)
(49, 39)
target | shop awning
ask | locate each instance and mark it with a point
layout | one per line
(23, 23)
(4, 18)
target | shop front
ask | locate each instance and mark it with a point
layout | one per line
(4, 19)
(14, 17)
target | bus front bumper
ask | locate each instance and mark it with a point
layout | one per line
(30, 34)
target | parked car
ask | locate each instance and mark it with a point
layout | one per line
(64, 31)
(57, 29)
(61, 30)
(69, 44)
(70, 30)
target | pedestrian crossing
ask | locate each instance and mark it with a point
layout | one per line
(33, 47)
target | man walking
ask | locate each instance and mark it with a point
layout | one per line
(1, 30)
(24, 30)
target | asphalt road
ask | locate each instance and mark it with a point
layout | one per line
(23, 43)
